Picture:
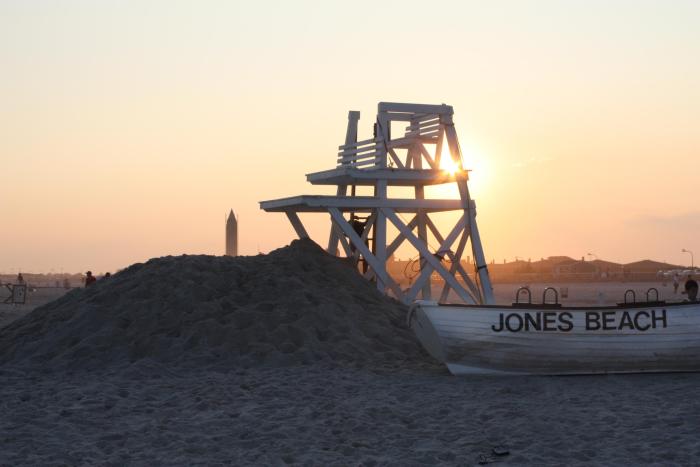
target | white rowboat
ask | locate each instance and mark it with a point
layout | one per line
(544, 339)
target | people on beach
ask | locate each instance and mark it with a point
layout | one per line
(676, 282)
(107, 275)
(691, 288)
(89, 279)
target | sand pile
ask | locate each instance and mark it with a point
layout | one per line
(296, 305)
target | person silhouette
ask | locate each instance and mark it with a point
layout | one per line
(89, 279)
(676, 282)
(691, 288)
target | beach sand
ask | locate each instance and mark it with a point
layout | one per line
(35, 298)
(265, 367)
(314, 415)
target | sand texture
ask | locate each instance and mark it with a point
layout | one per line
(150, 415)
(293, 359)
(296, 305)
(36, 297)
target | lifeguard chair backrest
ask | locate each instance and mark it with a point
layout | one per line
(427, 124)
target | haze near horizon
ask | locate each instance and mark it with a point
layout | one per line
(130, 129)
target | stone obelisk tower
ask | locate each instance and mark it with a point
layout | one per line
(231, 235)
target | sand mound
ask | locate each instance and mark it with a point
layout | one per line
(296, 305)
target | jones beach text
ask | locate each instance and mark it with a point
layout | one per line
(612, 320)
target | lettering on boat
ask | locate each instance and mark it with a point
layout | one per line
(563, 321)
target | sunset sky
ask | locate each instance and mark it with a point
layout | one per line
(130, 128)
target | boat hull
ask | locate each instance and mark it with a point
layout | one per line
(477, 339)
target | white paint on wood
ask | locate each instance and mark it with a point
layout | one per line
(471, 339)
(375, 162)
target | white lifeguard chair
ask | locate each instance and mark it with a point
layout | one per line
(411, 160)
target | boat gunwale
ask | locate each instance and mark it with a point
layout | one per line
(559, 307)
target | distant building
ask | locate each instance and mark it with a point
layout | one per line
(647, 266)
(576, 269)
(231, 235)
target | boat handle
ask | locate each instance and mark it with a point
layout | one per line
(556, 295)
(523, 289)
(634, 296)
(655, 291)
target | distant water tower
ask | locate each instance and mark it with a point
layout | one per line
(231, 235)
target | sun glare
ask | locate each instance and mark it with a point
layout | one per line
(472, 160)
(448, 165)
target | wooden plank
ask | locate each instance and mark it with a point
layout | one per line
(382, 148)
(479, 259)
(423, 278)
(360, 157)
(349, 152)
(432, 120)
(296, 223)
(396, 159)
(373, 261)
(419, 191)
(428, 157)
(405, 142)
(319, 203)
(438, 148)
(423, 134)
(455, 262)
(341, 238)
(367, 163)
(368, 226)
(400, 143)
(456, 266)
(333, 236)
(400, 117)
(429, 258)
(365, 234)
(350, 141)
(409, 157)
(429, 129)
(414, 108)
(357, 158)
(427, 139)
(396, 243)
(428, 126)
(418, 118)
(348, 175)
(359, 143)
(470, 213)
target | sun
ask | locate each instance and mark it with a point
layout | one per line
(473, 160)
(449, 165)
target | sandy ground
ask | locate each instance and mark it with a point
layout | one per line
(315, 415)
(150, 414)
(36, 298)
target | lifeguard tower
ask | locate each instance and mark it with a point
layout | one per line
(359, 223)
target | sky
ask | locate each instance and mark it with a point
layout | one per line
(128, 129)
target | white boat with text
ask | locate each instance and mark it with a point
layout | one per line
(551, 339)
